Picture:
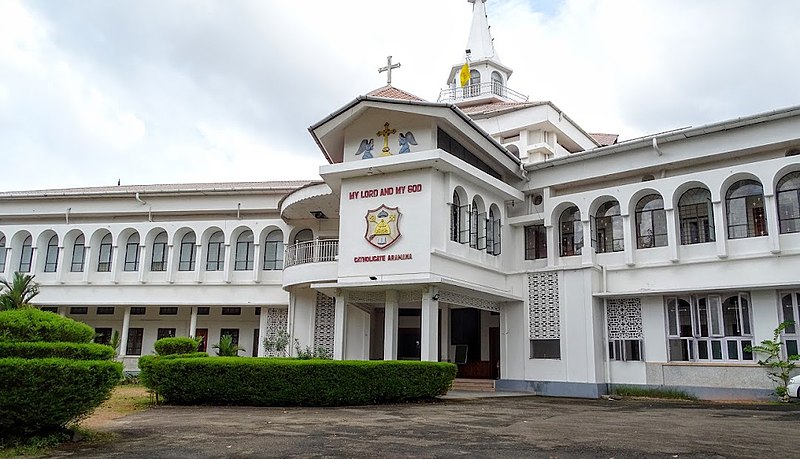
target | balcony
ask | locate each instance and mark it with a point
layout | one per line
(481, 90)
(316, 251)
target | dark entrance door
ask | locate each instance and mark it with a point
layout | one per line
(494, 351)
(202, 333)
(408, 344)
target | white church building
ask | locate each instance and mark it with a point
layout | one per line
(482, 229)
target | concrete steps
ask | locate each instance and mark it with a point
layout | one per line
(478, 385)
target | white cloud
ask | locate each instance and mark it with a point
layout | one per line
(203, 90)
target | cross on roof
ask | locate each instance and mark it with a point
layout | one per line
(388, 69)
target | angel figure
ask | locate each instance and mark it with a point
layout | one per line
(366, 148)
(406, 140)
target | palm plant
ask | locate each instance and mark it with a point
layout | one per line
(226, 347)
(18, 293)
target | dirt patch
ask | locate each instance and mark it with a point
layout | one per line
(124, 401)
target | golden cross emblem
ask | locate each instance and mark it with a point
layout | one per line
(385, 133)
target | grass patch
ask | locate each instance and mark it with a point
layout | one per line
(646, 392)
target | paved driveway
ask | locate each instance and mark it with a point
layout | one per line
(491, 427)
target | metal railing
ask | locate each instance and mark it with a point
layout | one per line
(315, 251)
(479, 89)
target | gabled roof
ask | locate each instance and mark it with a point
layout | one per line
(605, 139)
(497, 108)
(390, 92)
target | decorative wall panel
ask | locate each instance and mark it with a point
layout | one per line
(446, 296)
(277, 319)
(324, 323)
(624, 318)
(543, 306)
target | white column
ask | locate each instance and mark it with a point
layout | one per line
(171, 263)
(62, 311)
(9, 263)
(340, 327)
(193, 322)
(60, 268)
(390, 326)
(123, 336)
(87, 263)
(444, 345)
(430, 327)
(773, 229)
(587, 252)
(630, 244)
(257, 262)
(552, 245)
(199, 264)
(116, 263)
(228, 263)
(34, 259)
(720, 231)
(262, 331)
(143, 263)
(672, 235)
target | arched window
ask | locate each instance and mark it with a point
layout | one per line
(651, 222)
(188, 252)
(78, 254)
(304, 235)
(571, 232)
(493, 232)
(455, 218)
(497, 84)
(132, 253)
(475, 219)
(608, 228)
(2, 253)
(215, 260)
(104, 255)
(159, 260)
(789, 203)
(244, 252)
(273, 251)
(744, 203)
(51, 255)
(696, 214)
(26, 255)
(474, 88)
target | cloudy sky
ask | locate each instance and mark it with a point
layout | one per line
(163, 91)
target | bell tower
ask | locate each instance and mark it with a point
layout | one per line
(487, 76)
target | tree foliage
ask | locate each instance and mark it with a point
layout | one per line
(226, 347)
(18, 293)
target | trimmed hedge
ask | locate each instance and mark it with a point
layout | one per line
(43, 395)
(34, 325)
(75, 351)
(290, 382)
(170, 346)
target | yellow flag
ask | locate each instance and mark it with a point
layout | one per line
(463, 75)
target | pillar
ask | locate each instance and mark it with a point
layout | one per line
(228, 262)
(773, 229)
(116, 263)
(340, 327)
(199, 264)
(552, 245)
(257, 263)
(9, 262)
(262, 331)
(34, 259)
(171, 263)
(62, 311)
(60, 265)
(672, 235)
(720, 231)
(429, 332)
(390, 323)
(87, 264)
(587, 252)
(193, 322)
(627, 240)
(123, 336)
(143, 265)
(444, 344)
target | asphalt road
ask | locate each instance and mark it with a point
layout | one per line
(490, 427)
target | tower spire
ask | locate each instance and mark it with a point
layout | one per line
(480, 43)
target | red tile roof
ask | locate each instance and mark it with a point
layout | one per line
(390, 92)
(605, 139)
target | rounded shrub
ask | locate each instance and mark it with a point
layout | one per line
(39, 396)
(34, 325)
(75, 351)
(170, 346)
(286, 382)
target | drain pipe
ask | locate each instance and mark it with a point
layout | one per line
(607, 359)
(144, 203)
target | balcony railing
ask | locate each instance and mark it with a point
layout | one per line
(480, 89)
(311, 252)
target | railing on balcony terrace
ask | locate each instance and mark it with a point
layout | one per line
(474, 90)
(311, 252)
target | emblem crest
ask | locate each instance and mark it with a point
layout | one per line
(382, 226)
